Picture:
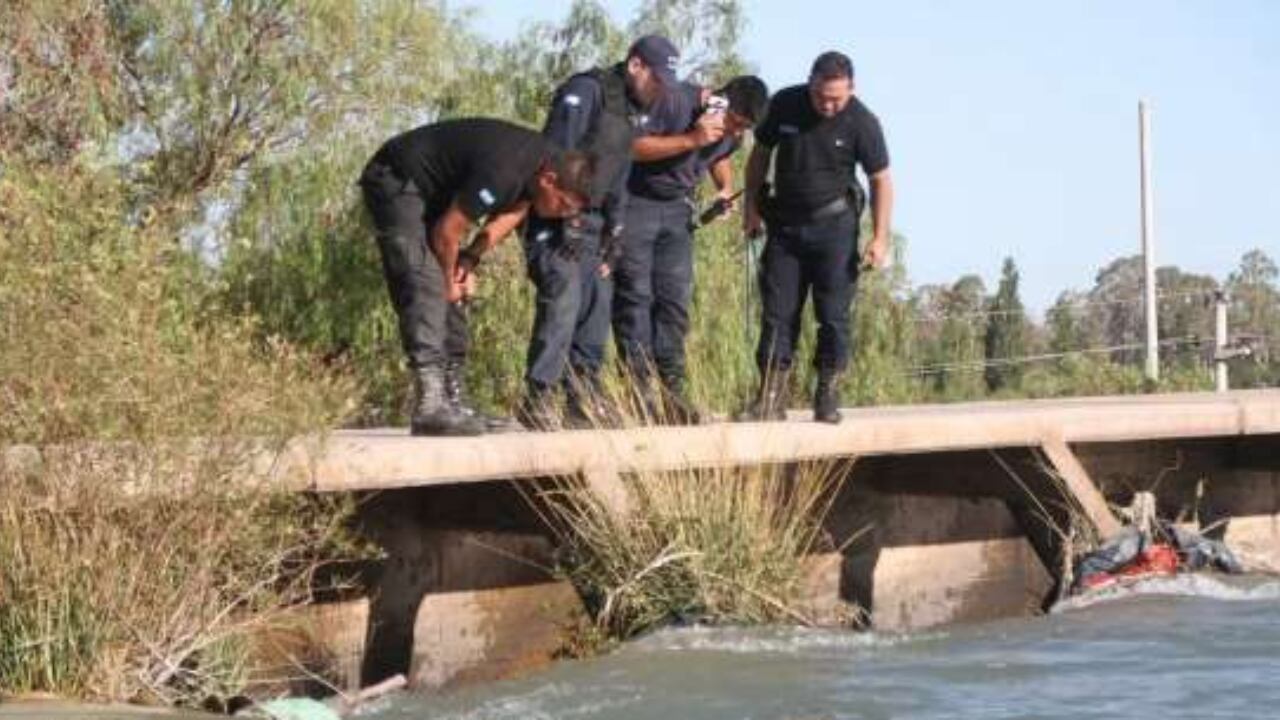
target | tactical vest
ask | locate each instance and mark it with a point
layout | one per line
(611, 131)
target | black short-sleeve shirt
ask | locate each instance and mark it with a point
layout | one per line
(677, 176)
(816, 157)
(486, 165)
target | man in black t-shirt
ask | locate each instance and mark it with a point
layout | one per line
(425, 189)
(817, 135)
(691, 132)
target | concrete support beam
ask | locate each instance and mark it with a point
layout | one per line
(1082, 487)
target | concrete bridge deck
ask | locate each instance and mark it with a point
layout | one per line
(930, 528)
(356, 460)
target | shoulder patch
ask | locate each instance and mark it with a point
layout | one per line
(572, 100)
(788, 129)
(486, 196)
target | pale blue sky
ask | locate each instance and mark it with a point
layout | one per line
(1013, 124)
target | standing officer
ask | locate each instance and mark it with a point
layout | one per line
(690, 131)
(569, 261)
(425, 189)
(816, 134)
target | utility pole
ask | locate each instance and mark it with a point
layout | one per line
(1220, 340)
(1148, 242)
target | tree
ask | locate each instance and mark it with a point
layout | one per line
(1007, 334)
(1255, 313)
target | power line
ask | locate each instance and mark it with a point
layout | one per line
(930, 317)
(1027, 359)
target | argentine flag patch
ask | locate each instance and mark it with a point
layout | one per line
(486, 197)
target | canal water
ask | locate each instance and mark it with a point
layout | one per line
(1194, 647)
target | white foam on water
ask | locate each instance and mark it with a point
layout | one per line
(788, 641)
(1184, 585)
(546, 702)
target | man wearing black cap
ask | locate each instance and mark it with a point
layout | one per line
(424, 190)
(816, 134)
(570, 261)
(691, 131)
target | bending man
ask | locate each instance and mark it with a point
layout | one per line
(425, 189)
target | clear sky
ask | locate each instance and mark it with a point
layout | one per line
(1012, 125)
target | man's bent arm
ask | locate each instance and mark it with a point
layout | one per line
(498, 228)
(650, 148)
(722, 176)
(446, 236)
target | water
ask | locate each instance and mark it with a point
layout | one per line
(1196, 647)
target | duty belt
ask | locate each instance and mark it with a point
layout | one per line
(775, 213)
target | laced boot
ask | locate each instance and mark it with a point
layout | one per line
(456, 395)
(826, 397)
(537, 410)
(771, 400)
(432, 413)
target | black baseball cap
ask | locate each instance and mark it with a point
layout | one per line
(659, 54)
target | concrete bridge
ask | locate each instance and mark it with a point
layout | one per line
(947, 504)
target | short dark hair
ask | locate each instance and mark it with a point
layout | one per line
(575, 171)
(831, 65)
(748, 96)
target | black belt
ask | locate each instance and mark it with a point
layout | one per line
(772, 211)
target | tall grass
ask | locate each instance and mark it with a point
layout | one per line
(138, 557)
(721, 545)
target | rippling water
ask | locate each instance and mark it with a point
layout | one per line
(1196, 647)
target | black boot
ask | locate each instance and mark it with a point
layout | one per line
(826, 397)
(586, 405)
(455, 394)
(432, 413)
(677, 408)
(771, 400)
(537, 411)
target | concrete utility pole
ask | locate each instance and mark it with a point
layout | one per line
(1220, 341)
(1148, 242)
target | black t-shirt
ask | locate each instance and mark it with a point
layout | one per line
(677, 176)
(816, 156)
(486, 165)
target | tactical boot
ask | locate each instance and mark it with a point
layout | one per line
(771, 400)
(455, 394)
(432, 413)
(537, 411)
(677, 408)
(586, 405)
(826, 397)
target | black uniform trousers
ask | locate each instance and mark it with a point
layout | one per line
(432, 331)
(818, 256)
(654, 286)
(571, 315)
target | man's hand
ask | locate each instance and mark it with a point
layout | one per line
(876, 253)
(730, 200)
(708, 129)
(604, 271)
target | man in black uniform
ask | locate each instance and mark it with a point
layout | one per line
(817, 134)
(425, 189)
(690, 131)
(570, 261)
